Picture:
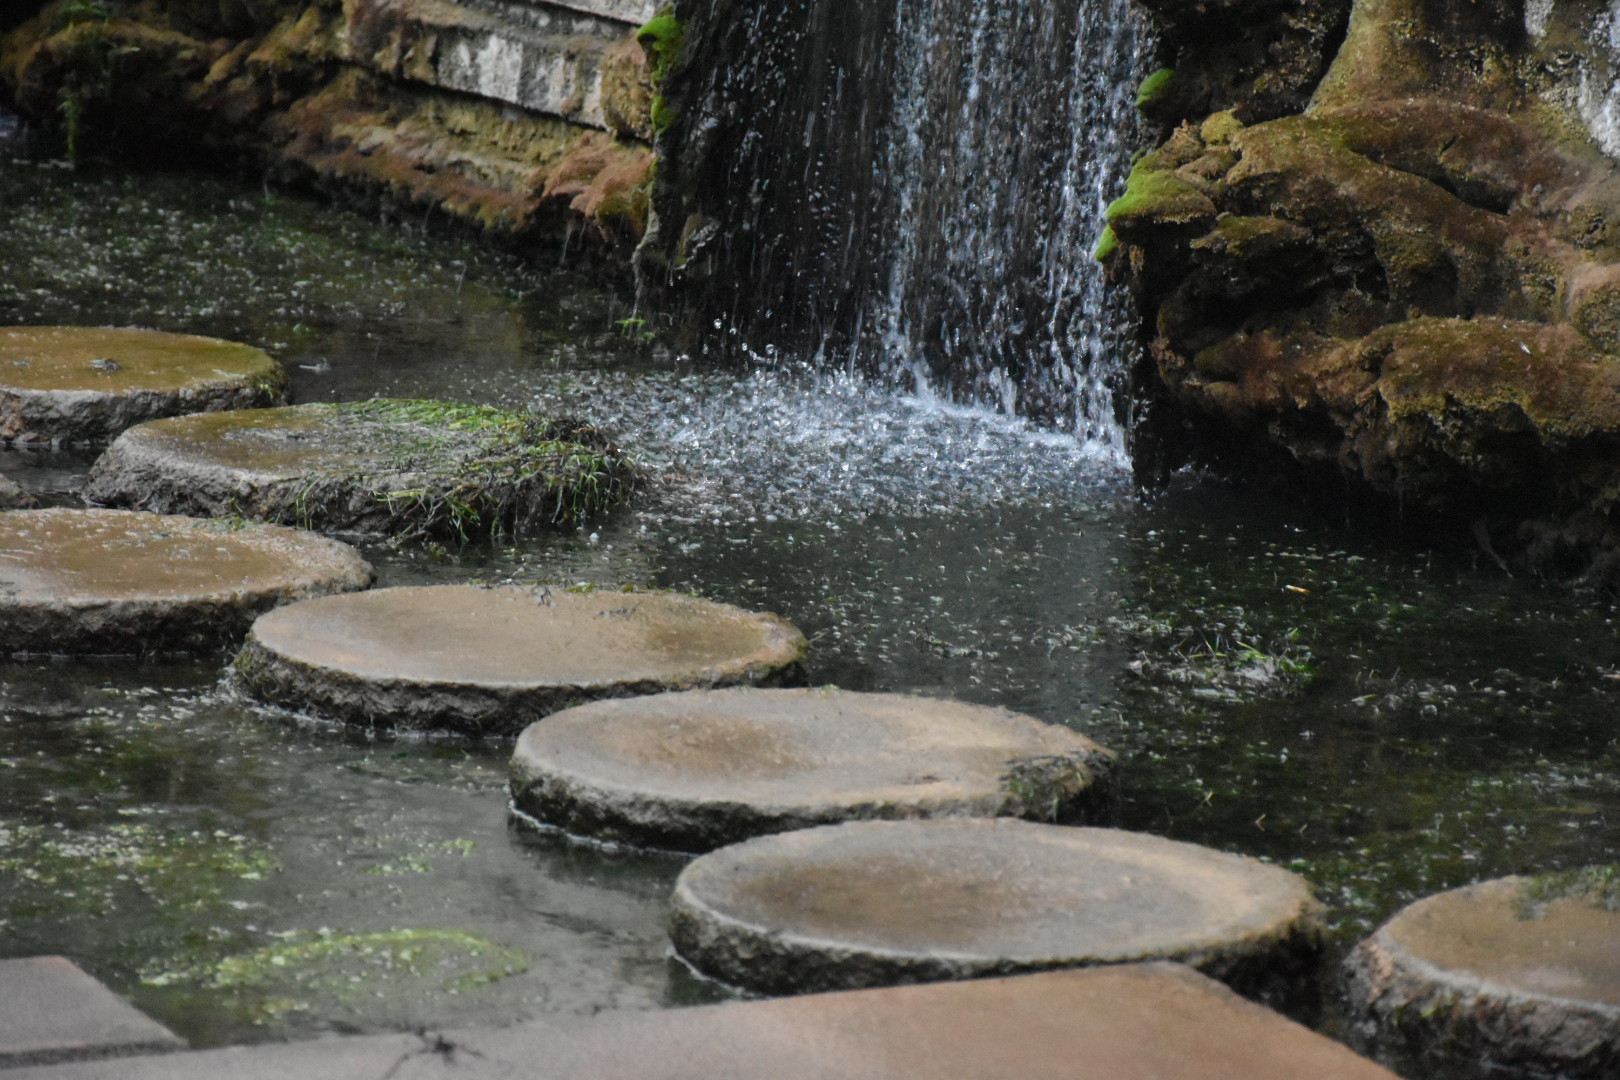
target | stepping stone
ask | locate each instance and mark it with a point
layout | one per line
(112, 581)
(50, 1010)
(874, 903)
(492, 660)
(375, 467)
(1523, 973)
(693, 771)
(1134, 1022)
(84, 385)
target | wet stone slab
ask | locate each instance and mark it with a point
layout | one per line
(1521, 973)
(50, 1010)
(399, 467)
(84, 385)
(1136, 1022)
(493, 660)
(115, 581)
(880, 903)
(693, 771)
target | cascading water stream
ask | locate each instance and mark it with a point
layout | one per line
(914, 192)
(1012, 126)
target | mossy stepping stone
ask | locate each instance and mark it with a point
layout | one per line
(493, 660)
(1521, 972)
(876, 903)
(113, 581)
(85, 385)
(692, 771)
(380, 467)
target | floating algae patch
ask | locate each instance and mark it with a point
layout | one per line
(402, 468)
(53, 872)
(308, 969)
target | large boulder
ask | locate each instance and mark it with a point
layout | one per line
(1410, 279)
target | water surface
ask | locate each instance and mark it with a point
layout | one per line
(1386, 720)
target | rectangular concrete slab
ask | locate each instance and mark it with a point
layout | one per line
(50, 1011)
(1140, 1022)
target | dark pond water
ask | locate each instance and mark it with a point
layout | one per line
(1386, 721)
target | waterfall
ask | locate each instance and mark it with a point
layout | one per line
(919, 196)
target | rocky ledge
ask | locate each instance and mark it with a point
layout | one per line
(530, 122)
(1379, 251)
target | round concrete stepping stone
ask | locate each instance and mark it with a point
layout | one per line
(1524, 973)
(113, 581)
(379, 467)
(693, 771)
(85, 385)
(492, 660)
(876, 903)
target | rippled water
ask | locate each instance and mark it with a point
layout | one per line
(1387, 721)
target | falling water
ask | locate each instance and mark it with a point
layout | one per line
(916, 192)
(1012, 125)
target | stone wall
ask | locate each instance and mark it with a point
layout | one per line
(527, 120)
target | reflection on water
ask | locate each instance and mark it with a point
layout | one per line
(1387, 721)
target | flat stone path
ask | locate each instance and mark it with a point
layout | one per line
(1140, 1022)
(385, 467)
(1521, 972)
(85, 384)
(493, 660)
(881, 903)
(50, 1010)
(115, 581)
(694, 771)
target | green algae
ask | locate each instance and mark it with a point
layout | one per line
(303, 967)
(56, 871)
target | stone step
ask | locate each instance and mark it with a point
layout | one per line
(1520, 972)
(125, 582)
(1139, 1022)
(493, 660)
(84, 385)
(693, 771)
(51, 1010)
(879, 903)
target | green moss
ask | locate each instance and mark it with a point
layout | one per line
(1157, 193)
(663, 37)
(307, 965)
(1107, 244)
(1219, 128)
(1595, 885)
(56, 872)
(1155, 87)
(478, 470)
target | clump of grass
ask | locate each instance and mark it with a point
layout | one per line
(459, 472)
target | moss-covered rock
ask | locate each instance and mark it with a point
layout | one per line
(400, 468)
(1413, 278)
(402, 104)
